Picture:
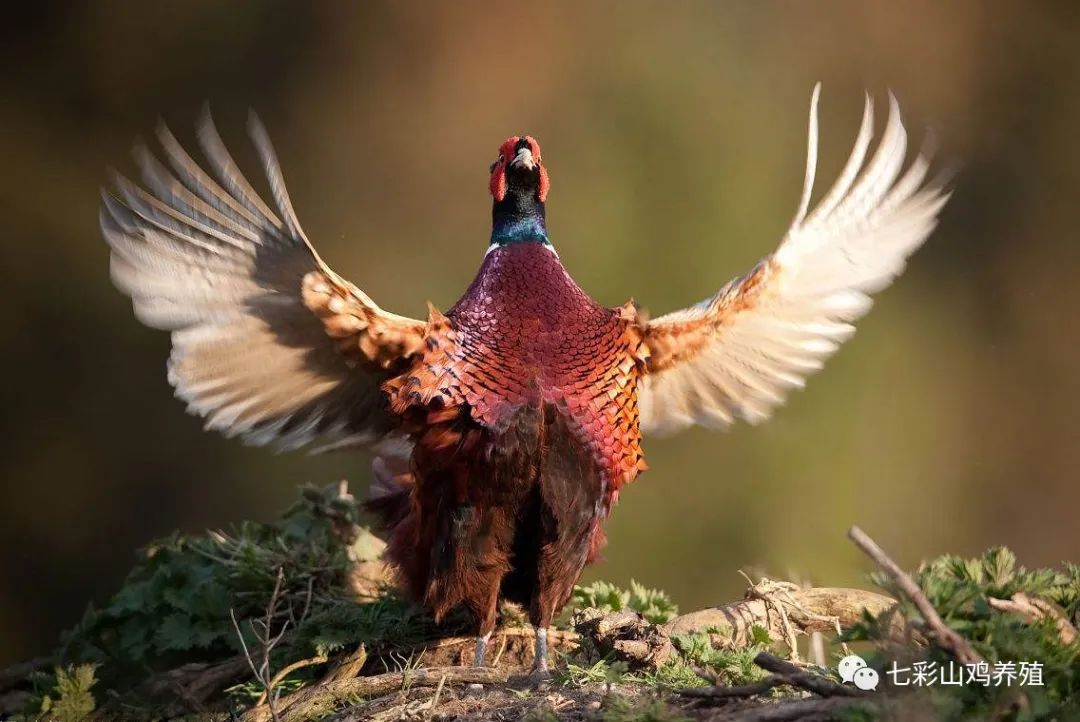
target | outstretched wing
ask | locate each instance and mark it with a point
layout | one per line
(737, 354)
(268, 342)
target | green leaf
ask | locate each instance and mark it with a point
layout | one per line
(213, 601)
(204, 633)
(73, 699)
(999, 565)
(760, 636)
(181, 599)
(176, 633)
(133, 597)
(652, 604)
(135, 637)
(601, 595)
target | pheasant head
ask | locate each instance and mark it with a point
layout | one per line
(519, 186)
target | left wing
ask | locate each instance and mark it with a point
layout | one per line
(737, 354)
(268, 342)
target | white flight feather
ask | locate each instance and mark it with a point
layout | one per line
(854, 242)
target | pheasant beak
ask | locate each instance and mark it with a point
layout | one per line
(523, 159)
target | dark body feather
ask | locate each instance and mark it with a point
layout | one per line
(523, 414)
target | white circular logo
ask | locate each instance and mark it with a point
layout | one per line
(866, 678)
(849, 665)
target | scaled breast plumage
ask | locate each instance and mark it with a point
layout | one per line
(525, 333)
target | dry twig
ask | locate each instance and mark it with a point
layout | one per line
(348, 667)
(783, 674)
(289, 669)
(196, 682)
(797, 677)
(435, 698)
(267, 641)
(311, 702)
(1032, 608)
(830, 695)
(946, 637)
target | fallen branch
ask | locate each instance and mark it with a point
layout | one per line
(810, 610)
(1032, 608)
(316, 701)
(348, 667)
(783, 609)
(735, 691)
(804, 680)
(830, 695)
(286, 671)
(403, 704)
(946, 637)
(197, 682)
(783, 674)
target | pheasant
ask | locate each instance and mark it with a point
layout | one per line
(503, 429)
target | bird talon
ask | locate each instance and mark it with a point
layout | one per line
(540, 678)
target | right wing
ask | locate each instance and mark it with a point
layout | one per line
(737, 354)
(268, 343)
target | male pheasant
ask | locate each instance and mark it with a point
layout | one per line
(505, 428)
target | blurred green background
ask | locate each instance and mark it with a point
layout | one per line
(675, 138)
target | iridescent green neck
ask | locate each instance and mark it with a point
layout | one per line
(518, 231)
(518, 217)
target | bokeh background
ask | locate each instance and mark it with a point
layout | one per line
(675, 136)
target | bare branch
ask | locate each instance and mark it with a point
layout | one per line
(818, 609)
(243, 644)
(313, 701)
(1032, 608)
(946, 637)
(803, 680)
(287, 670)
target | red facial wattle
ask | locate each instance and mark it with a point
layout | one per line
(498, 179)
(498, 182)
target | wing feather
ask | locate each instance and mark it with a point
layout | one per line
(737, 354)
(268, 342)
